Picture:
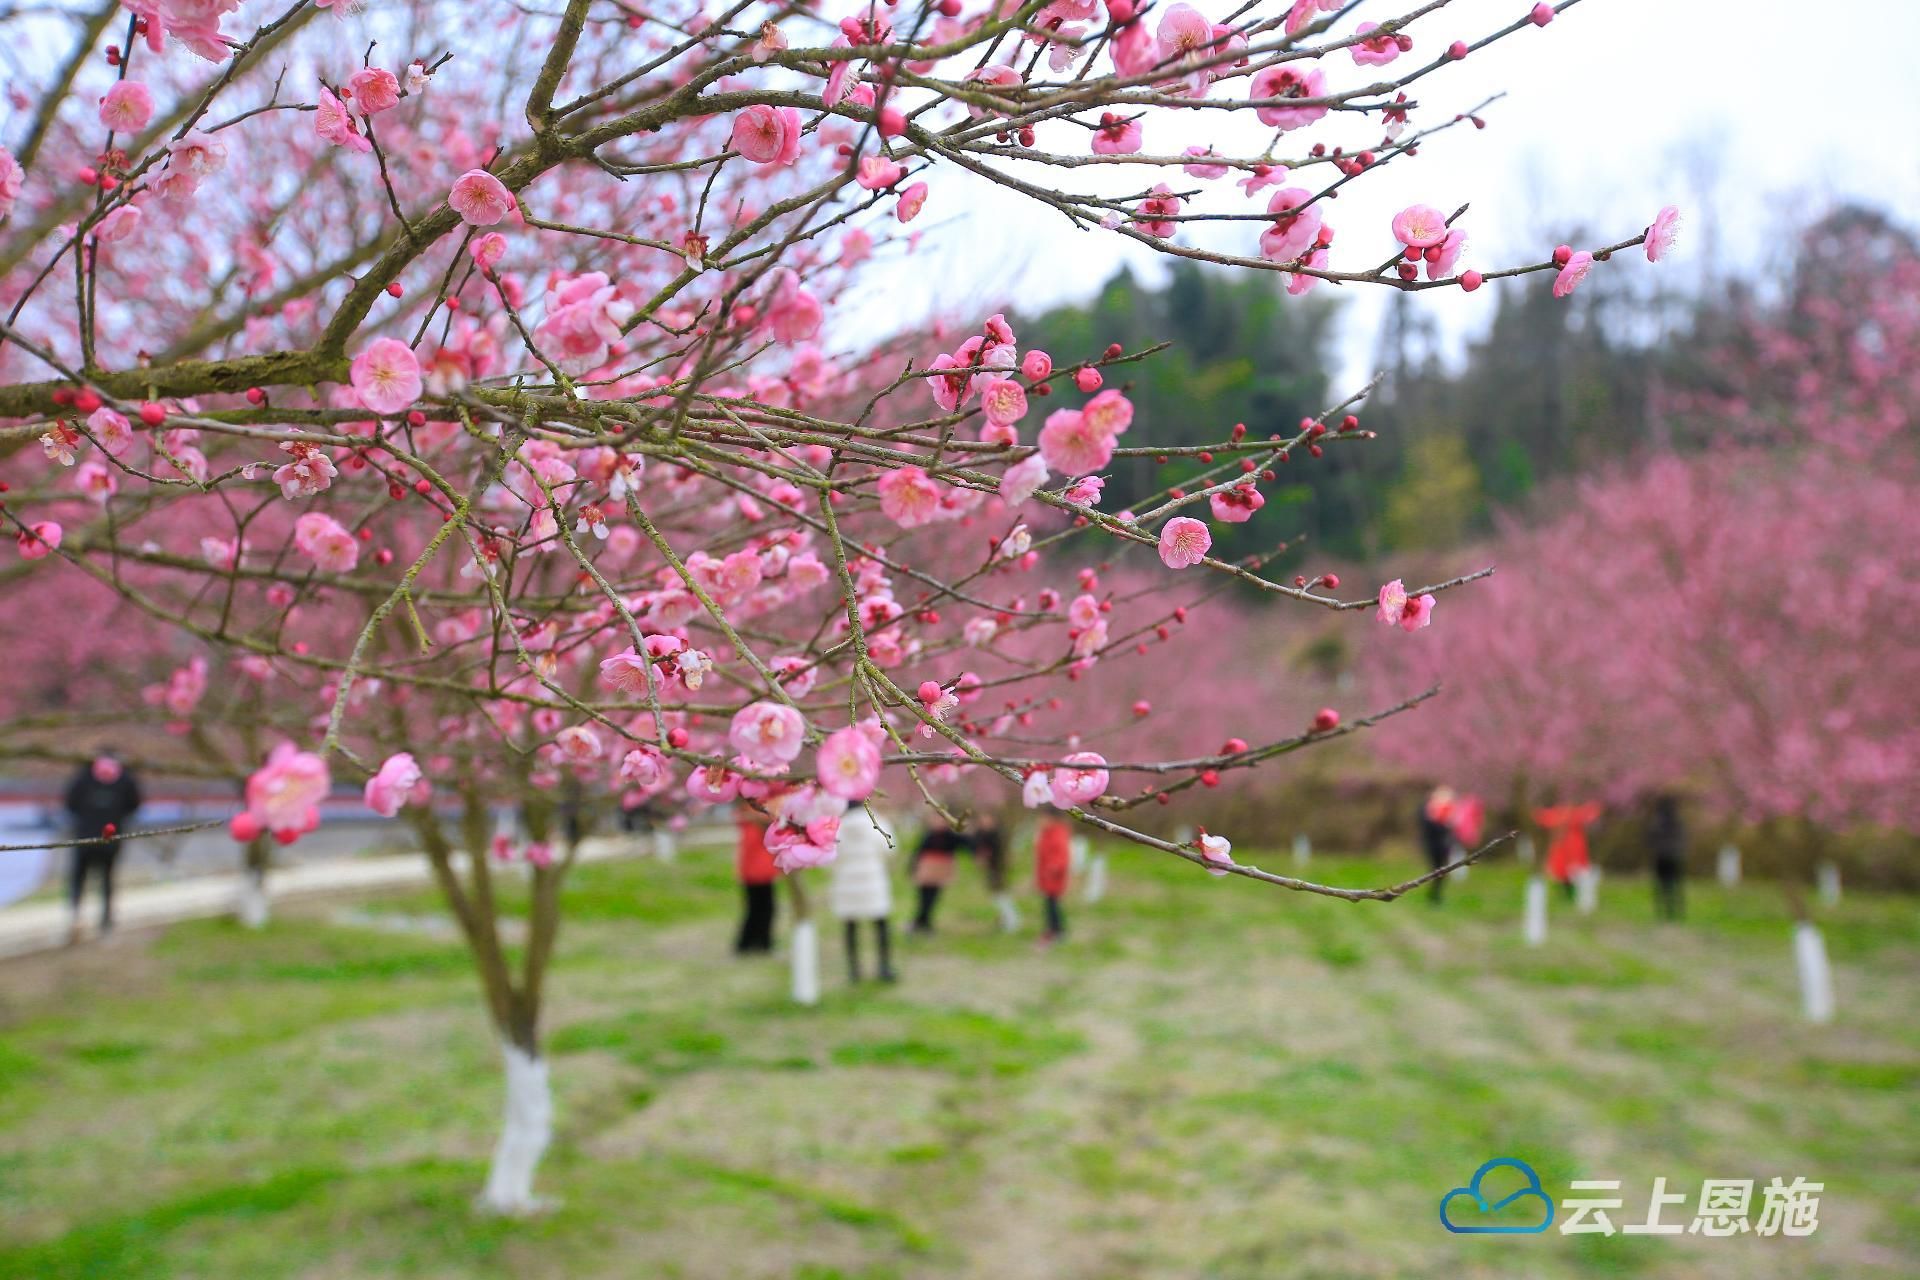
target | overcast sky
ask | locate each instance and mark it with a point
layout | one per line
(1748, 114)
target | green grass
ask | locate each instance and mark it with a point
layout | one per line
(1209, 1079)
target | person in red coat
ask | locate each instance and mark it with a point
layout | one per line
(1567, 854)
(754, 865)
(1052, 862)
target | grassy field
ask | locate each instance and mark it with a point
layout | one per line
(1211, 1079)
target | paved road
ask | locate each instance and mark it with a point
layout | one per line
(39, 926)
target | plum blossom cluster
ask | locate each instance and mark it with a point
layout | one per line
(513, 428)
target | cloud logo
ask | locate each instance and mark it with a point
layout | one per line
(1483, 1207)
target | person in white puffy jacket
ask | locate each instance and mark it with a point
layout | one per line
(860, 889)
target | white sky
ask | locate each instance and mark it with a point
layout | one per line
(1748, 114)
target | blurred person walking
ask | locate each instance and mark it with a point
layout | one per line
(860, 891)
(1567, 858)
(754, 865)
(1052, 867)
(932, 868)
(1436, 836)
(1667, 840)
(990, 850)
(101, 799)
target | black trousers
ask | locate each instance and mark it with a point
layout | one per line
(1056, 919)
(98, 860)
(882, 939)
(1436, 859)
(756, 926)
(929, 900)
(1667, 895)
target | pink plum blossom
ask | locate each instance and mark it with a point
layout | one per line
(1183, 542)
(909, 497)
(849, 764)
(1080, 778)
(480, 198)
(284, 795)
(1397, 608)
(1022, 479)
(1419, 225)
(768, 733)
(487, 250)
(1073, 445)
(327, 542)
(1288, 80)
(398, 783)
(386, 374)
(39, 540)
(11, 176)
(1572, 273)
(127, 107)
(1218, 852)
(1377, 50)
(334, 124)
(767, 135)
(1236, 505)
(375, 89)
(1661, 235)
(1116, 136)
(911, 202)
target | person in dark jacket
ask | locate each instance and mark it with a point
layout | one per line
(1052, 867)
(931, 868)
(1436, 835)
(757, 872)
(1667, 838)
(990, 851)
(101, 799)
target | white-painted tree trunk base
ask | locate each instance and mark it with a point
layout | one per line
(1456, 858)
(1524, 847)
(805, 945)
(525, 1130)
(1302, 850)
(1828, 876)
(1728, 867)
(1816, 977)
(663, 846)
(252, 907)
(1536, 920)
(1586, 891)
(1096, 879)
(1009, 914)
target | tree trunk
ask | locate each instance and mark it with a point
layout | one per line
(525, 1130)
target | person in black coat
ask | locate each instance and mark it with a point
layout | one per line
(931, 868)
(101, 799)
(1436, 836)
(1667, 840)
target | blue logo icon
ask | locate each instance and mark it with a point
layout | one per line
(1483, 1207)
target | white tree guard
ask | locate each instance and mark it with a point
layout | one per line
(1009, 914)
(1536, 918)
(1586, 891)
(253, 907)
(806, 963)
(1524, 847)
(1096, 879)
(1816, 977)
(1302, 849)
(664, 847)
(1828, 876)
(1728, 867)
(525, 1130)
